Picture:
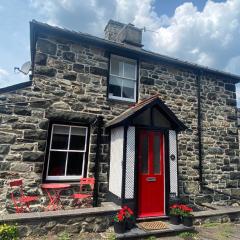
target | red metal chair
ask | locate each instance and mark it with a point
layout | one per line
(20, 200)
(84, 194)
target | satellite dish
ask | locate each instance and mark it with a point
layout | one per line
(26, 67)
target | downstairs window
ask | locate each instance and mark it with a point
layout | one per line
(67, 152)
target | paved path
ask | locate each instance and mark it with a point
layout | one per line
(205, 232)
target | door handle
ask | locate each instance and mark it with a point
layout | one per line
(151, 179)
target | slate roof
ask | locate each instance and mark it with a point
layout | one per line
(132, 112)
(39, 27)
(15, 87)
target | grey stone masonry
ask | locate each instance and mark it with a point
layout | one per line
(74, 221)
(70, 84)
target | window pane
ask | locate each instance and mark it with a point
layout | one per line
(116, 67)
(115, 85)
(60, 137)
(156, 154)
(128, 89)
(75, 163)
(77, 139)
(130, 70)
(115, 81)
(57, 162)
(144, 163)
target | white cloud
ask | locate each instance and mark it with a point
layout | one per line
(3, 73)
(3, 77)
(7, 79)
(209, 37)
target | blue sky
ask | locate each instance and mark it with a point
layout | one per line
(201, 31)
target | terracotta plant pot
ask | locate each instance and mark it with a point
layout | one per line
(188, 221)
(119, 227)
(175, 220)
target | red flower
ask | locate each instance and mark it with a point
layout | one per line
(130, 211)
(175, 206)
(120, 217)
(124, 213)
(185, 208)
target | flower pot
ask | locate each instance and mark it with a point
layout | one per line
(119, 227)
(188, 221)
(130, 224)
(175, 220)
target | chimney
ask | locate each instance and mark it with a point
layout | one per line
(123, 33)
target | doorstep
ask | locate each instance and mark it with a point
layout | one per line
(143, 219)
(137, 233)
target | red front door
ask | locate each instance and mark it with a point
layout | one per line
(151, 180)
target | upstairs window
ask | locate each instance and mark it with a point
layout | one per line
(122, 79)
(67, 152)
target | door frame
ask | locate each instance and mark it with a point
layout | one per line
(166, 165)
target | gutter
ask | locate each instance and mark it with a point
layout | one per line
(199, 128)
(99, 126)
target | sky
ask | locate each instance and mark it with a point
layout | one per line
(200, 31)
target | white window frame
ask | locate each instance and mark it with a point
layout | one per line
(120, 58)
(84, 151)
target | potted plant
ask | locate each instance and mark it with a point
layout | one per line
(119, 223)
(129, 217)
(124, 220)
(187, 216)
(175, 214)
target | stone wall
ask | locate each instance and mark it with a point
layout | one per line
(178, 88)
(70, 221)
(70, 83)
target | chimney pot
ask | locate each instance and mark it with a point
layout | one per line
(123, 33)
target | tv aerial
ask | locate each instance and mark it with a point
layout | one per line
(25, 69)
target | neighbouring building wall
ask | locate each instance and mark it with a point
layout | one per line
(71, 79)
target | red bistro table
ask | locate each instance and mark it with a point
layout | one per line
(53, 191)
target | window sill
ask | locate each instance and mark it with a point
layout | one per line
(121, 101)
(76, 183)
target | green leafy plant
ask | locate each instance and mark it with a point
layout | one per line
(186, 211)
(111, 236)
(64, 236)
(152, 238)
(180, 210)
(175, 210)
(8, 232)
(188, 235)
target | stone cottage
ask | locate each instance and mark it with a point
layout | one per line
(148, 127)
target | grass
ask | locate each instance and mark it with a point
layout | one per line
(224, 232)
(64, 236)
(188, 235)
(111, 236)
(219, 231)
(151, 238)
(210, 225)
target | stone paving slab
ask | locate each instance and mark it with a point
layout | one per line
(221, 211)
